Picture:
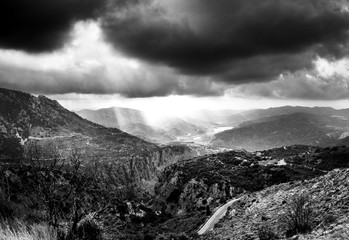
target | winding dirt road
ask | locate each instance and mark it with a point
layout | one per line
(220, 212)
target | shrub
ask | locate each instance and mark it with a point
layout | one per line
(299, 215)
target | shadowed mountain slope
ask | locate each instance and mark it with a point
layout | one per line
(283, 130)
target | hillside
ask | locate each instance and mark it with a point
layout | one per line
(185, 185)
(283, 130)
(40, 118)
(205, 182)
(25, 118)
(265, 212)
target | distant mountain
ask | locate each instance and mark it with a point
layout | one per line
(241, 117)
(24, 118)
(115, 117)
(136, 123)
(207, 118)
(283, 130)
(129, 120)
(178, 127)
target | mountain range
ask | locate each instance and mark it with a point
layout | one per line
(251, 130)
(275, 127)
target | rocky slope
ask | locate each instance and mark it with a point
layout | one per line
(277, 131)
(328, 199)
(205, 182)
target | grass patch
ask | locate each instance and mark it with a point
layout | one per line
(18, 230)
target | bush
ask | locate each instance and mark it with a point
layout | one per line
(299, 215)
(266, 233)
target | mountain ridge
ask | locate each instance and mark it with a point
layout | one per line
(285, 129)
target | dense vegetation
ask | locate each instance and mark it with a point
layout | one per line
(66, 193)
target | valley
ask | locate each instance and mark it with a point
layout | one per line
(251, 130)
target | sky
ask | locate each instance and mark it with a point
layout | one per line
(177, 55)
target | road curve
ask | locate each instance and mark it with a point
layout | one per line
(220, 212)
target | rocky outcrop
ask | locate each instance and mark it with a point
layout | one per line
(149, 165)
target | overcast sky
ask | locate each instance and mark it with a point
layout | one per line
(177, 54)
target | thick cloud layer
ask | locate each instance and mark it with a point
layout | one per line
(205, 37)
(42, 25)
(144, 48)
(145, 82)
(87, 65)
(300, 85)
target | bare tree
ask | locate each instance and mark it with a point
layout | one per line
(56, 179)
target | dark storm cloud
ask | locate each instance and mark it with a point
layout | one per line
(298, 86)
(209, 45)
(42, 25)
(262, 68)
(218, 38)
